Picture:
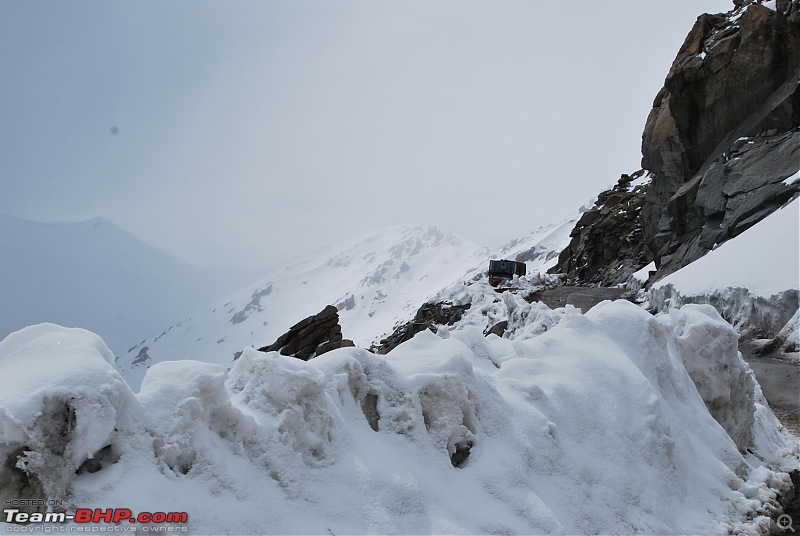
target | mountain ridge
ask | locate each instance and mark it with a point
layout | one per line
(97, 275)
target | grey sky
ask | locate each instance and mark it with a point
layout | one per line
(242, 133)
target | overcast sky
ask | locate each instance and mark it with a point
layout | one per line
(246, 132)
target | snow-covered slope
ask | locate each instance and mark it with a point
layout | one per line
(753, 279)
(376, 281)
(97, 276)
(765, 259)
(599, 425)
(538, 249)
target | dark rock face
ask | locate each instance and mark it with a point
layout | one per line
(737, 191)
(607, 243)
(312, 336)
(253, 305)
(724, 132)
(721, 140)
(429, 316)
(142, 356)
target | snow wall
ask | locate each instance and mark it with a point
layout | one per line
(611, 422)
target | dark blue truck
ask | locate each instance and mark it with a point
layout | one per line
(503, 270)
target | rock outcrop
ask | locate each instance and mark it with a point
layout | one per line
(724, 132)
(607, 243)
(721, 143)
(312, 336)
(429, 316)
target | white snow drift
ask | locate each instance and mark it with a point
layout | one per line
(600, 424)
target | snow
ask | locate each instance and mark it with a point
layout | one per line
(717, 369)
(615, 421)
(62, 403)
(644, 273)
(765, 259)
(790, 333)
(792, 180)
(377, 281)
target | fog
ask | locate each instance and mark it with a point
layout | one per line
(245, 133)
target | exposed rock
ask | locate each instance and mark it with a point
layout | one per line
(347, 304)
(498, 329)
(253, 305)
(429, 316)
(735, 192)
(312, 336)
(787, 340)
(461, 452)
(721, 140)
(142, 356)
(607, 242)
(723, 133)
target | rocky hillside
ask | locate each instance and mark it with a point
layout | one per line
(607, 244)
(721, 145)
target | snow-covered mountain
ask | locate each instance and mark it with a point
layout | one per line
(512, 417)
(376, 281)
(455, 432)
(95, 275)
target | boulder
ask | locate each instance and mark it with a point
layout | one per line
(312, 336)
(723, 133)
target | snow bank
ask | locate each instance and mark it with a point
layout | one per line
(723, 379)
(789, 336)
(786, 344)
(765, 259)
(63, 407)
(489, 308)
(751, 315)
(594, 425)
(752, 281)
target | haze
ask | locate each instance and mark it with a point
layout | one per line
(244, 133)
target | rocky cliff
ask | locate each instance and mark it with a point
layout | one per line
(721, 144)
(607, 244)
(723, 134)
